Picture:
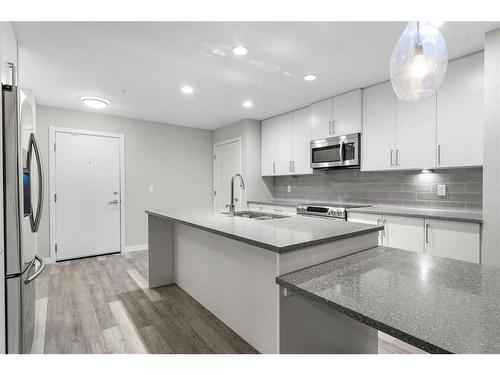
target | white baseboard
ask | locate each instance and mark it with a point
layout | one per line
(129, 249)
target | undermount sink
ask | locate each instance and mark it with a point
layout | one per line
(257, 215)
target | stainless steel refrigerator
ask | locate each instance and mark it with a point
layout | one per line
(23, 200)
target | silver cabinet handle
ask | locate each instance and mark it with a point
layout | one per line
(330, 127)
(12, 67)
(385, 227)
(33, 147)
(427, 226)
(39, 270)
(341, 152)
(274, 167)
(397, 157)
(439, 155)
(114, 201)
(293, 166)
(290, 166)
(392, 163)
(333, 127)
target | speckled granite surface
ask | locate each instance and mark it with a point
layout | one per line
(472, 217)
(437, 304)
(280, 235)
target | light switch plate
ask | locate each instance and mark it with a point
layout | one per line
(441, 190)
(151, 188)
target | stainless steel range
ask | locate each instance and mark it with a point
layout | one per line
(336, 211)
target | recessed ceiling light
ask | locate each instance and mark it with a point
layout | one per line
(94, 102)
(240, 51)
(310, 77)
(247, 104)
(187, 89)
(436, 24)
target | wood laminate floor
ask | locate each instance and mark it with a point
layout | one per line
(103, 305)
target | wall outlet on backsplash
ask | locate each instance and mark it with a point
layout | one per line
(289, 188)
(441, 190)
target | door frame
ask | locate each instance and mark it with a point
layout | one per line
(214, 166)
(52, 182)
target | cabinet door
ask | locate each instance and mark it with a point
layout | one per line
(379, 119)
(301, 145)
(284, 144)
(453, 239)
(405, 233)
(373, 219)
(268, 147)
(321, 119)
(8, 52)
(416, 134)
(347, 113)
(460, 113)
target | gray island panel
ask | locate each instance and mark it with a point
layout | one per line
(437, 304)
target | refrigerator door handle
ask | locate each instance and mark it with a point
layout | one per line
(35, 221)
(39, 270)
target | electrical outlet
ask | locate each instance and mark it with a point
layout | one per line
(151, 188)
(289, 189)
(441, 190)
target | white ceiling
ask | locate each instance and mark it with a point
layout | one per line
(140, 67)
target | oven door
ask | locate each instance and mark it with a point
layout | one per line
(335, 152)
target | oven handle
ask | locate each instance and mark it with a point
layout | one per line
(341, 152)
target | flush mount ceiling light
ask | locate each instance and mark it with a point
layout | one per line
(187, 90)
(240, 51)
(247, 104)
(418, 62)
(94, 102)
(310, 77)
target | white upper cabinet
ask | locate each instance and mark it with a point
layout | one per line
(321, 119)
(379, 128)
(336, 116)
(301, 134)
(416, 134)
(8, 52)
(283, 146)
(268, 147)
(460, 113)
(346, 117)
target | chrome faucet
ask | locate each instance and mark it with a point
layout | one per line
(231, 205)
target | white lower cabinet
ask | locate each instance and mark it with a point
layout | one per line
(453, 239)
(403, 232)
(450, 239)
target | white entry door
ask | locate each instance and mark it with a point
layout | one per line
(88, 196)
(227, 162)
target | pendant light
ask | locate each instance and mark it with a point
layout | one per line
(418, 62)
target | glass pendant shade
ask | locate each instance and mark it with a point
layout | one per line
(418, 62)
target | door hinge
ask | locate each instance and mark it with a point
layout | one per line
(215, 192)
(55, 247)
(55, 197)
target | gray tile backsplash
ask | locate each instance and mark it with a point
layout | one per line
(392, 188)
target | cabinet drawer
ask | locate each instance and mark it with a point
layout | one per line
(272, 208)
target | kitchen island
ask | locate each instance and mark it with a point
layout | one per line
(229, 264)
(437, 304)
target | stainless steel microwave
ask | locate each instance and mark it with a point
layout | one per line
(336, 152)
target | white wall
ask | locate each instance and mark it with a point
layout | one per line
(175, 160)
(257, 187)
(490, 252)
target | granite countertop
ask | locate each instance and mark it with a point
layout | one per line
(472, 217)
(279, 235)
(437, 304)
